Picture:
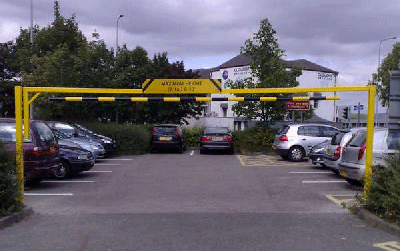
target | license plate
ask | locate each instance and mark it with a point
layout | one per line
(328, 151)
(165, 138)
(217, 139)
(343, 173)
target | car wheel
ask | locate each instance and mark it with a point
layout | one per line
(180, 149)
(62, 171)
(296, 153)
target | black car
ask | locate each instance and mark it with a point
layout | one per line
(317, 153)
(167, 137)
(78, 131)
(74, 159)
(216, 138)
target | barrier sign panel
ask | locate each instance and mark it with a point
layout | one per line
(298, 105)
(181, 86)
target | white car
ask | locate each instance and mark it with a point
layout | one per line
(352, 164)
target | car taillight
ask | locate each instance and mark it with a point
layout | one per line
(361, 151)
(283, 138)
(228, 138)
(337, 152)
(154, 130)
(205, 138)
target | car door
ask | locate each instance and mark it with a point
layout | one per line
(309, 136)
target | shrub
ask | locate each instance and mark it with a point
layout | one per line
(131, 139)
(384, 194)
(8, 184)
(255, 139)
(192, 136)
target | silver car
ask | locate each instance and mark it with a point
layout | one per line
(333, 153)
(352, 164)
(294, 141)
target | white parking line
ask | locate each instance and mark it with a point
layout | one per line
(97, 171)
(99, 164)
(191, 153)
(323, 181)
(48, 194)
(309, 172)
(68, 181)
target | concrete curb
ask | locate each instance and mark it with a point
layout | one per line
(377, 222)
(15, 217)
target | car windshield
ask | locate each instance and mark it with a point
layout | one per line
(8, 133)
(358, 139)
(337, 138)
(67, 129)
(45, 133)
(216, 130)
(165, 130)
(283, 130)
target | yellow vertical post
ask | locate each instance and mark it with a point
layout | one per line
(26, 113)
(370, 142)
(19, 151)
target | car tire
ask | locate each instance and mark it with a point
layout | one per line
(180, 149)
(63, 171)
(296, 154)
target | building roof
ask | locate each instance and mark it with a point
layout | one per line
(243, 60)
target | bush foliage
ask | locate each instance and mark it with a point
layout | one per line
(192, 136)
(255, 139)
(384, 195)
(8, 184)
(131, 139)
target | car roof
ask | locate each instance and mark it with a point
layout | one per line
(167, 125)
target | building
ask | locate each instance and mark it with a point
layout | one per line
(221, 114)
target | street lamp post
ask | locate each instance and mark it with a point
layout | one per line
(116, 48)
(379, 64)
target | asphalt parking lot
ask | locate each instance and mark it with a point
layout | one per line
(168, 201)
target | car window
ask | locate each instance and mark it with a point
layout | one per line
(164, 130)
(358, 139)
(393, 140)
(44, 132)
(283, 130)
(67, 129)
(312, 131)
(216, 130)
(8, 133)
(337, 138)
(328, 131)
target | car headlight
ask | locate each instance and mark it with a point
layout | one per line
(95, 147)
(106, 141)
(83, 156)
(318, 150)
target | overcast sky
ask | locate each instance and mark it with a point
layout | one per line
(343, 35)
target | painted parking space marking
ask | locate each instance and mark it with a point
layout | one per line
(389, 245)
(322, 181)
(48, 194)
(306, 172)
(191, 153)
(92, 171)
(101, 164)
(342, 199)
(68, 181)
(266, 160)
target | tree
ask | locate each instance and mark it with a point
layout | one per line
(382, 78)
(268, 71)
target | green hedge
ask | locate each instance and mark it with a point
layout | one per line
(8, 184)
(255, 139)
(192, 136)
(131, 139)
(384, 194)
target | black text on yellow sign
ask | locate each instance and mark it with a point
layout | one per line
(181, 86)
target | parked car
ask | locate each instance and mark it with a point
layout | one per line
(74, 159)
(167, 137)
(333, 152)
(294, 141)
(41, 149)
(78, 131)
(95, 148)
(216, 138)
(317, 153)
(352, 163)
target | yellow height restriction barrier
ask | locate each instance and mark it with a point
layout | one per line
(205, 86)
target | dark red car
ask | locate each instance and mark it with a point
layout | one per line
(41, 149)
